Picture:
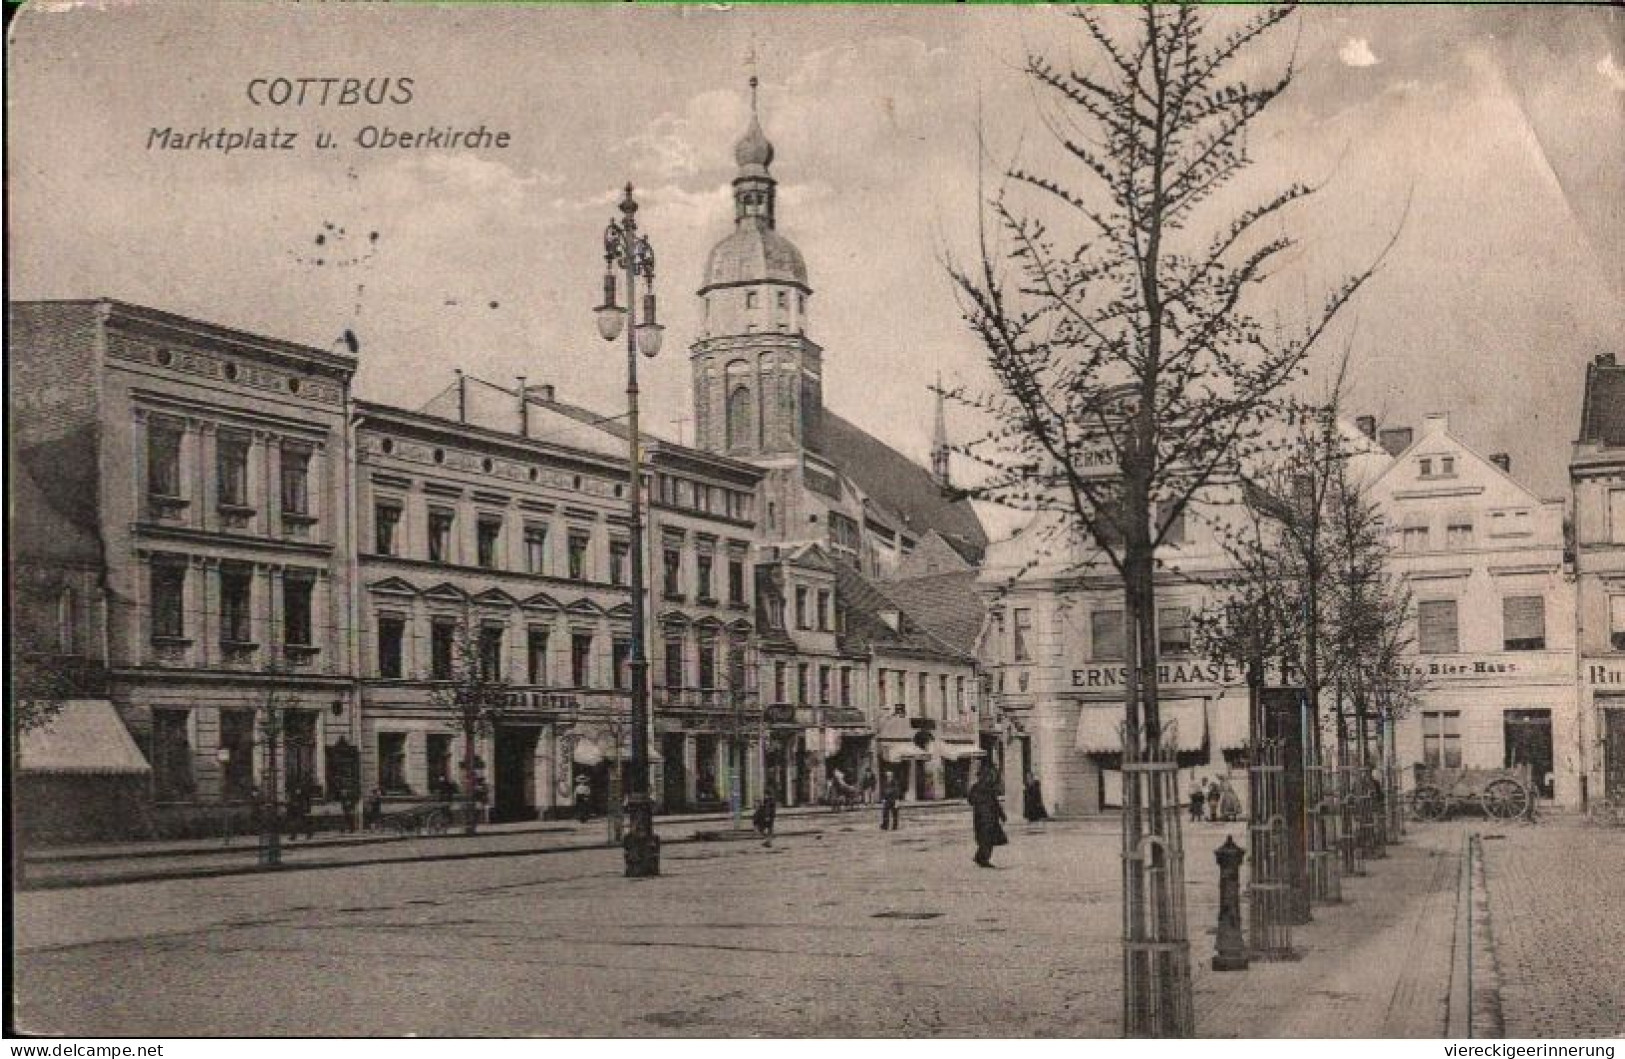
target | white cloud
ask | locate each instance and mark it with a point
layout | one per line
(1356, 51)
(1612, 72)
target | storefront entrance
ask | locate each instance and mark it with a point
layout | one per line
(1529, 742)
(1613, 751)
(675, 784)
(515, 773)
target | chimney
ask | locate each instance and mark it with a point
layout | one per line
(1502, 461)
(544, 392)
(1395, 440)
(1436, 423)
(524, 409)
(462, 396)
(1368, 426)
(1605, 360)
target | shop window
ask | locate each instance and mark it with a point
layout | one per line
(1436, 627)
(237, 746)
(437, 761)
(171, 759)
(1524, 623)
(1441, 738)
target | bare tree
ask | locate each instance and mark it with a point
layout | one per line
(1121, 322)
(475, 693)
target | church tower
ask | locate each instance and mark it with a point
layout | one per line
(939, 443)
(758, 379)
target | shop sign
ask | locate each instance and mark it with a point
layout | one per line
(1169, 674)
(1479, 667)
(1602, 674)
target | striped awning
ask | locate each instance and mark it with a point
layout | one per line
(86, 738)
(1099, 730)
(896, 751)
(1227, 722)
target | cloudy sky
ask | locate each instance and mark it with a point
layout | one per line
(1503, 127)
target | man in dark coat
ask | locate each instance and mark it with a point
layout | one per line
(888, 804)
(987, 816)
(767, 812)
(1033, 801)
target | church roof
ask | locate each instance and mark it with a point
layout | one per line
(754, 253)
(897, 483)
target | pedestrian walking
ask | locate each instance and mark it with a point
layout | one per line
(867, 787)
(1032, 801)
(1229, 801)
(1213, 797)
(1198, 800)
(889, 818)
(373, 815)
(347, 800)
(767, 811)
(987, 816)
(583, 799)
(300, 819)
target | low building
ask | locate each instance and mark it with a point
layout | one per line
(1597, 478)
(1494, 599)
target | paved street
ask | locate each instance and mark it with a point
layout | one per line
(848, 931)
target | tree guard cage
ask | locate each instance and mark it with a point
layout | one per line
(1268, 855)
(1156, 951)
(1393, 803)
(1350, 826)
(1323, 816)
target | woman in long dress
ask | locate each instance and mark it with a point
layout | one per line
(987, 816)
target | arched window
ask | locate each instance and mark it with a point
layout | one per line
(739, 418)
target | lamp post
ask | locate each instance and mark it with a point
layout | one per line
(625, 249)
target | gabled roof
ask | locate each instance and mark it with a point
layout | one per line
(542, 601)
(865, 605)
(902, 486)
(446, 590)
(945, 605)
(1602, 409)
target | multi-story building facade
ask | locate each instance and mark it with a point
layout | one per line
(1493, 596)
(212, 464)
(1597, 478)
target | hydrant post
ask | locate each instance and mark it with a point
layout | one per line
(1231, 954)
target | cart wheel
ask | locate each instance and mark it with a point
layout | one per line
(1505, 799)
(1428, 803)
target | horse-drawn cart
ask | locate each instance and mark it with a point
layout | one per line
(1502, 794)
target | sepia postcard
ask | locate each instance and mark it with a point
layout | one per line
(815, 521)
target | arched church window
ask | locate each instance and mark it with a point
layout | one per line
(739, 432)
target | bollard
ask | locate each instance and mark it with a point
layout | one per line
(1232, 947)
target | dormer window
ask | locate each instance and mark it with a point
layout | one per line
(1426, 467)
(1447, 465)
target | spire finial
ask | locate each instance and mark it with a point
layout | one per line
(750, 66)
(939, 441)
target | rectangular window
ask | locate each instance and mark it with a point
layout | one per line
(1106, 635)
(536, 655)
(801, 607)
(703, 576)
(442, 647)
(1413, 537)
(391, 637)
(1524, 623)
(581, 659)
(1447, 465)
(1022, 628)
(1425, 467)
(1441, 738)
(488, 540)
(437, 760)
(736, 668)
(237, 744)
(386, 527)
(959, 696)
(295, 480)
(1436, 627)
(163, 459)
(1616, 516)
(708, 663)
(803, 683)
(535, 548)
(168, 601)
(236, 611)
(171, 756)
(736, 582)
(1458, 531)
(1173, 630)
(780, 680)
(672, 587)
(578, 556)
(823, 685)
(823, 610)
(925, 687)
(392, 763)
(846, 686)
(1616, 622)
(441, 521)
(231, 470)
(296, 624)
(491, 654)
(621, 661)
(674, 662)
(619, 553)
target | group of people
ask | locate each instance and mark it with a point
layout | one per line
(1217, 798)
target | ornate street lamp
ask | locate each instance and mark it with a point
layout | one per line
(625, 249)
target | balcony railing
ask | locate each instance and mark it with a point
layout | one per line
(703, 699)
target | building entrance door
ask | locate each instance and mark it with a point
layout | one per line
(1613, 751)
(675, 776)
(1529, 742)
(516, 773)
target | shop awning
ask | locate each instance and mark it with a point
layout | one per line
(87, 738)
(591, 751)
(959, 751)
(1227, 722)
(895, 752)
(1099, 729)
